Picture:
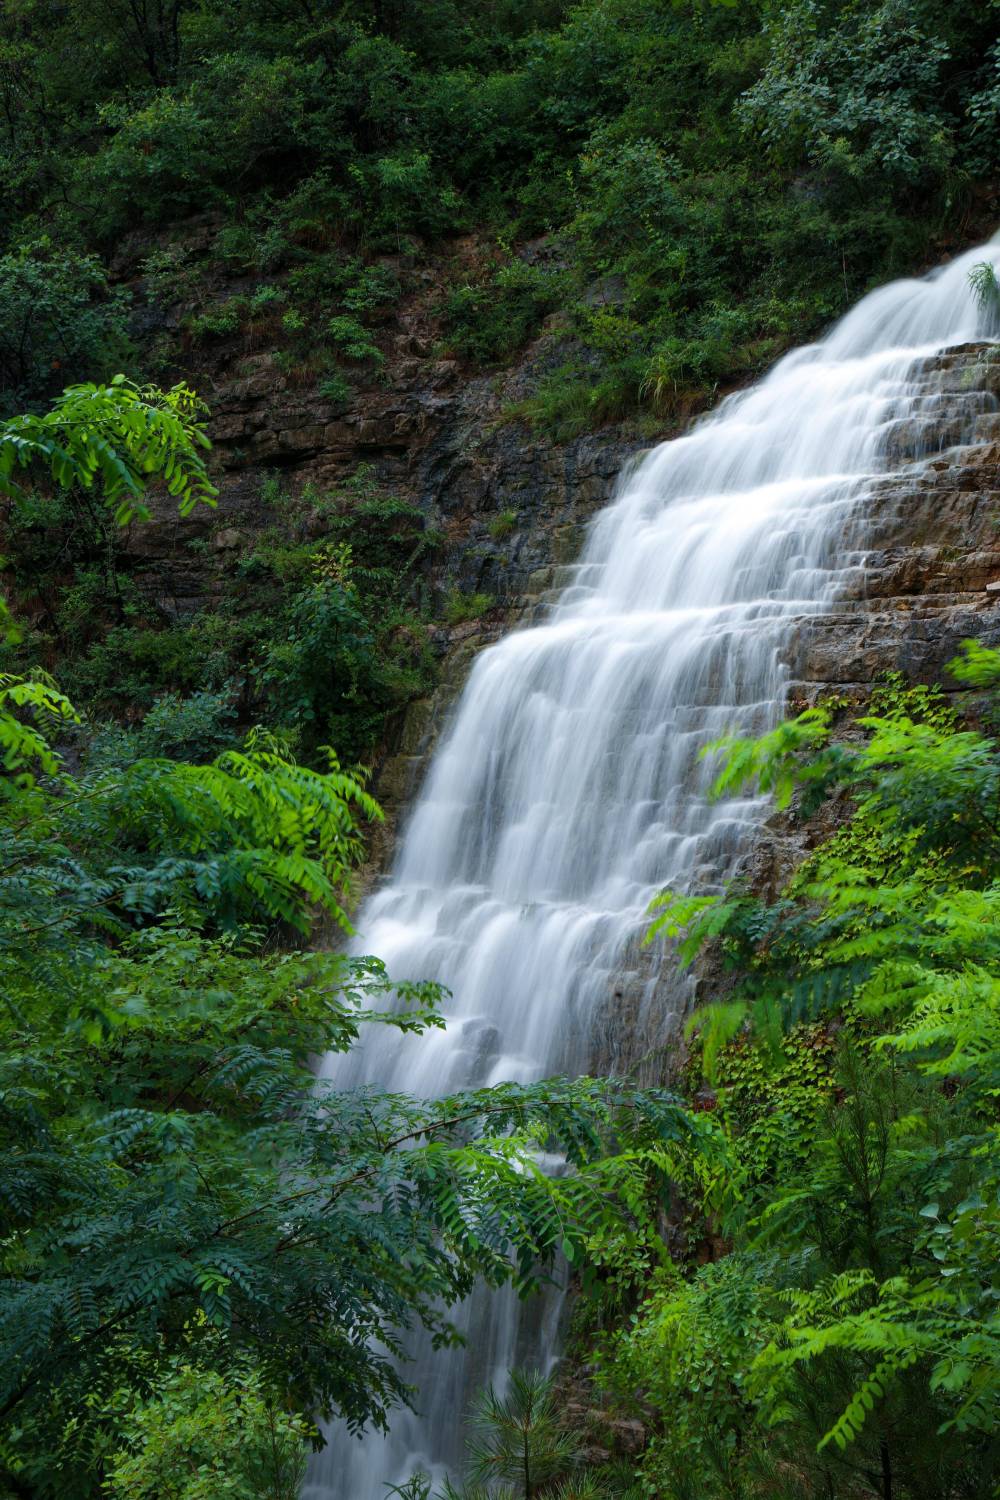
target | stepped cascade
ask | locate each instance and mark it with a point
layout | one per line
(568, 788)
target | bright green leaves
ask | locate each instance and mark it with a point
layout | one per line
(251, 836)
(977, 667)
(689, 1350)
(779, 761)
(116, 437)
(696, 920)
(24, 746)
(206, 1434)
(986, 290)
(857, 1158)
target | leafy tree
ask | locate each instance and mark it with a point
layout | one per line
(204, 1435)
(187, 1214)
(629, 131)
(857, 91)
(92, 456)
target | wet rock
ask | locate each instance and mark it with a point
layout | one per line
(226, 539)
(608, 291)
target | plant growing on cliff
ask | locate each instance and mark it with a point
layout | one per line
(503, 525)
(848, 1342)
(342, 629)
(985, 287)
(459, 607)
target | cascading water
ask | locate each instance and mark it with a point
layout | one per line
(568, 789)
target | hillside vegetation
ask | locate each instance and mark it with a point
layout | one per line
(712, 181)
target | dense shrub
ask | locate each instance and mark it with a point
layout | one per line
(59, 322)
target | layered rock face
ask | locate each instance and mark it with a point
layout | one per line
(431, 435)
(930, 540)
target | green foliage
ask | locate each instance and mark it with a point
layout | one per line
(517, 1437)
(188, 728)
(206, 1435)
(857, 92)
(345, 644)
(336, 389)
(459, 607)
(848, 1340)
(326, 664)
(24, 745)
(131, 666)
(978, 666)
(490, 322)
(119, 435)
(58, 320)
(168, 274)
(352, 339)
(690, 1351)
(521, 1446)
(503, 525)
(189, 1218)
(570, 401)
(218, 322)
(198, 1238)
(324, 638)
(692, 187)
(102, 447)
(986, 288)
(773, 764)
(188, 1223)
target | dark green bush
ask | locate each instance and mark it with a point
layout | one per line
(489, 322)
(59, 323)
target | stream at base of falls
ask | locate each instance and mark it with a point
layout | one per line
(568, 788)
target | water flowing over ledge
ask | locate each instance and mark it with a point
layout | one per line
(568, 789)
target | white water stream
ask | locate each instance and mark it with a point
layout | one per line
(567, 790)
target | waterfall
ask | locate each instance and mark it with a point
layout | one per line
(568, 789)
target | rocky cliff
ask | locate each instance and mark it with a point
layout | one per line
(928, 544)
